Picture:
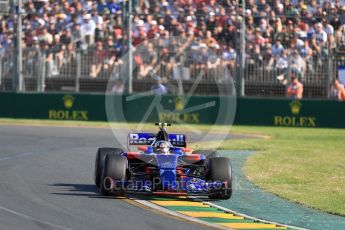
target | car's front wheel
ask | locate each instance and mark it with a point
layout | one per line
(99, 162)
(219, 171)
(114, 169)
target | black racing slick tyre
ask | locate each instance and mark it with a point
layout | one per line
(99, 161)
(115, 168)
(219, 169)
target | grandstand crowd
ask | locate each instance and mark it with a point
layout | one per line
(279, 33)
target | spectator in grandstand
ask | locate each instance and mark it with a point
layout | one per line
(340, 38)
(159, 89)
(228, 59)
(295, 88)
(88, 28)
(282, 61)
(297, 62)
(328, 28)
(270, 24)
(200, 58)
(148, 61)
(46, 36)
(276, 51)
(70, 53)
(307, 53)
(102, 60)
(319, 40)
(58, 50)
(337, 90)
(213, 63)
(167, 62)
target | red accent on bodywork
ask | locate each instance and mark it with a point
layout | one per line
(179, 172)
(133, 155)
(142, 148)
(187, 150)
(193, 157)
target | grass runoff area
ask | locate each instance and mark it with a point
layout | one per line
(304, 165)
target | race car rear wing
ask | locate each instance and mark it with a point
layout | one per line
(177, 140)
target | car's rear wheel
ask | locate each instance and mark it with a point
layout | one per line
(219, 170)
(99, 161)
(114, 168)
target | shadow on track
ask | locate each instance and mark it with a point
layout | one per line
(86, 190)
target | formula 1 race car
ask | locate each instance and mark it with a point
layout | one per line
(162, 165)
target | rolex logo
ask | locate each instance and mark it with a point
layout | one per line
(295, 107)
(179, 104)
(68, 101)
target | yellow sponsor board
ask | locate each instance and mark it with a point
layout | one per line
(68, 113)
(178, 115)
(295, 120)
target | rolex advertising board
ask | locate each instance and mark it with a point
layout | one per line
(175, 109)
(290, 112)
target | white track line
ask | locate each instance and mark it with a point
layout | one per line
(34, 219)
(20, 155)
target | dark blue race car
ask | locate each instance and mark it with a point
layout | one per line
(162, 165)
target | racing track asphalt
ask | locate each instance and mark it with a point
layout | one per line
(46, 175)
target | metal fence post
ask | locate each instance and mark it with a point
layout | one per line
(130, 51)
(41, 72)
(179, 80)
(78, 75)
(19, 48)
(331, 74)
(242, 53)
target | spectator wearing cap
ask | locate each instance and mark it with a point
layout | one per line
(328, 28)
(319, 40)
(211, 21)
(153, 29)
(139, 33)
(295, 88)
(337, 90)
(88, 28)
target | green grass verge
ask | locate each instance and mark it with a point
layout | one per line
(303, 165)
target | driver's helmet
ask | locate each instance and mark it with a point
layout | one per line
(162, 147)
